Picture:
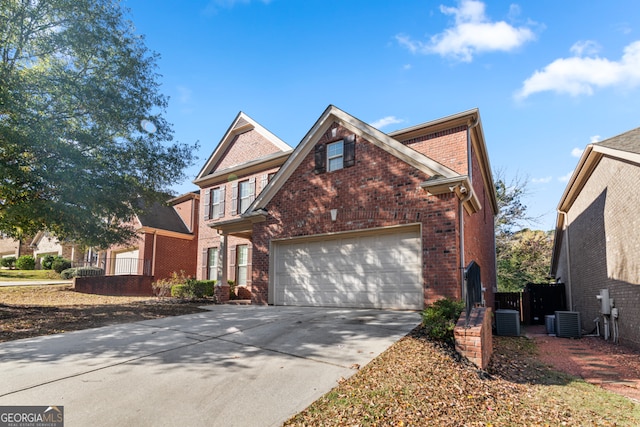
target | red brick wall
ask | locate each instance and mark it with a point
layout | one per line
(174, 254)
(115, 285)
(379, 191)
(475, 340)
(479, 235)
(246, 146)
(448, 147)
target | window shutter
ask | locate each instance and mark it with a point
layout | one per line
(222, 192)
(232, 264)
(252, 189)
(207, 203)
(205, 261)
(321, 159)
(265, 181)
(234, 197)
(349, 151)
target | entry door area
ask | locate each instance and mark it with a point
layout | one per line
(380, 269)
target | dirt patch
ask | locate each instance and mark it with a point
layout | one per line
(31, 311)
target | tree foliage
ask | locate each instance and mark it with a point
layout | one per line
(523, 256)
(82, 133)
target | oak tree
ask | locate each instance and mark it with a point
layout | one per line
(82, 131)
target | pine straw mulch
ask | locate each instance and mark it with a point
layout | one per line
(417, 382)
(31, 311)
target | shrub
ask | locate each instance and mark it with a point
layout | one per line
(439, 319)
(59, 264)
(46, 262)
(69, 273)
(26, 262)
(162, 287)
(232, 289)
(193, 289)
(89, 271)
(9, 262)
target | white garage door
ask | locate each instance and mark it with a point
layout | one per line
(126, 262)
(372, 270)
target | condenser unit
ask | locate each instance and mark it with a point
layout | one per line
(568, 324)
(508, 322)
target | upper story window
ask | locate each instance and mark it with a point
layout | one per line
(243, 194)
(335, 155)
(214, 203)
(217, 203)
(335, 152)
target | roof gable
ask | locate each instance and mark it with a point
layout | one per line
(244, 136)
(361, 129)
(162, 217)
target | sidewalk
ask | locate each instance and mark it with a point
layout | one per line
(611, 366)
(35, 282)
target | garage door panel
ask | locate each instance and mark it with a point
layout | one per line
(373, 270)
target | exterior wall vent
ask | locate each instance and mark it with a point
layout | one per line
(508, 322)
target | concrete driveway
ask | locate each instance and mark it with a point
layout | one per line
(228, 366)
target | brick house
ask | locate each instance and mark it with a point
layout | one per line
(353, 217)
(14, 247)
(597, 236)
(167, 241)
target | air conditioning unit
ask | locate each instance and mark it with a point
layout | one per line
(508, 322)
(568, 324)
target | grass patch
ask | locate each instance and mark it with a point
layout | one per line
(11, 275)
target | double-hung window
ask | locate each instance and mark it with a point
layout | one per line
(335, 156)
(212, 264)
(216, 203)
(242, 256)
(245, 196)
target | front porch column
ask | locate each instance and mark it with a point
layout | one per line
(222, 287)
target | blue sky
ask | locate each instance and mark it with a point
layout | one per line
(549, 76)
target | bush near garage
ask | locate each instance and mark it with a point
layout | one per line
(8, 262)
(439, 319)
(70, 273)
(26, 262)
(193, 289)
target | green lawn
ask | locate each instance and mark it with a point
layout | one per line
(11, 275)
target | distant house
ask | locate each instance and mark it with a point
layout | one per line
(167, 241)
(45, 244)
(597, 236)
(353, 217)
(10, 247)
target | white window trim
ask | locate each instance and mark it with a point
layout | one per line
(339, 156)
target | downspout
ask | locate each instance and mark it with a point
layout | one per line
(461, 221)
(565, 223)
(463, 201)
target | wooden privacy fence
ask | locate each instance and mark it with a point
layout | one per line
(535, 302)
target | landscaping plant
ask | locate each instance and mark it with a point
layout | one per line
(26, 262)
(8, 262)
(439, 319)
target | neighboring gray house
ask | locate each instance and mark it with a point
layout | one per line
(597, 237)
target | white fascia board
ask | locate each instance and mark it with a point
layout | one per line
(371, 134)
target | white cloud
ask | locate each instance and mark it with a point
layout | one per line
(585, 47)
(386, 121)
(595, 138)
(577, 152)
(184, 94)
(580, 75)
(544, 180)
(215, 5)
(471, 34)
(566, 177)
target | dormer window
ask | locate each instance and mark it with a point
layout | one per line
(335, 153)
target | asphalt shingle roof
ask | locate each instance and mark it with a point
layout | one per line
(628, 141)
